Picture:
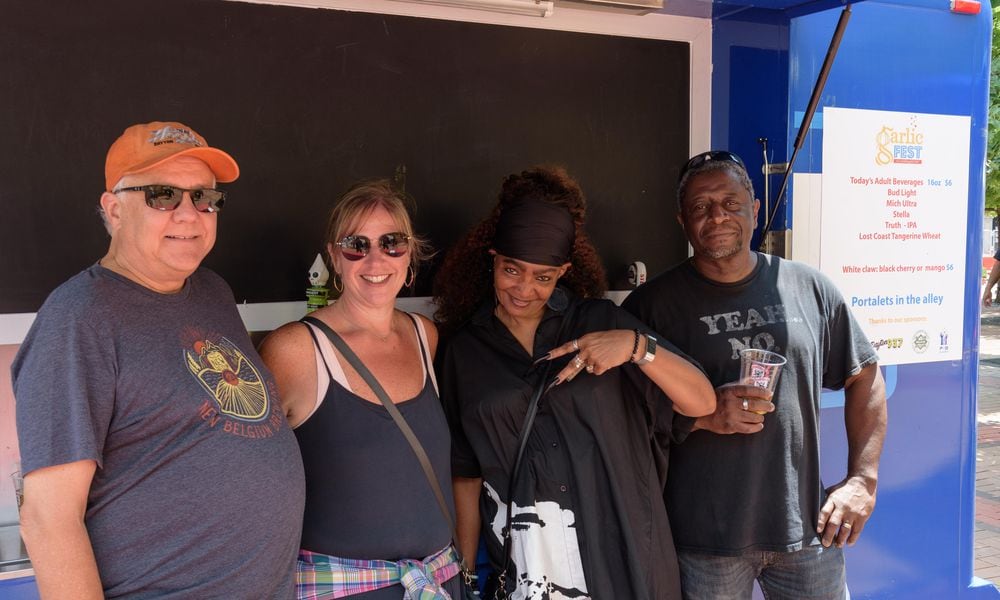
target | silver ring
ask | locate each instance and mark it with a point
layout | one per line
(746, 404)
(578, 362)
(845, 525)
(576, 345)
(590, 368)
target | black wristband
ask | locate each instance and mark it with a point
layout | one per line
(635, 347)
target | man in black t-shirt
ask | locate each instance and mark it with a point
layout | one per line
(744, 492)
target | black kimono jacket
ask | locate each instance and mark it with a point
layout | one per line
(589, 518)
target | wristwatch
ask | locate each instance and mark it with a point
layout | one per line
(650, 351)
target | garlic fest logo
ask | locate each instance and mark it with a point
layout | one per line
(895, 146)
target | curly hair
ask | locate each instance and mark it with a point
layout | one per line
(465, 279)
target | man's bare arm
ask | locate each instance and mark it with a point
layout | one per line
(52, 525)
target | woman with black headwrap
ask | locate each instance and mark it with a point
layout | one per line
(555, 397)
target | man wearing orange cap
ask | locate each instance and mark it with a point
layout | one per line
(157, 458)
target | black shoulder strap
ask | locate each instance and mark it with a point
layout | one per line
(345, 350)
(529, 419)
(424, 354)
(319, 349)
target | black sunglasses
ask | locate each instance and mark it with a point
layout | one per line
(356, 247)
(168, 197)
(699, 159)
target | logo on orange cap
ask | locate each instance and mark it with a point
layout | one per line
(170, 134)
(148, 145)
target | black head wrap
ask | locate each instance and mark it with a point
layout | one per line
(536, 232)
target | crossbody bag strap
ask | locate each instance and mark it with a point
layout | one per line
(529, 419)
(418, 449)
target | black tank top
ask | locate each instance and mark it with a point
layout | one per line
(366, 495)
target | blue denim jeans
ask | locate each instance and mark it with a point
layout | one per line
(813, 573)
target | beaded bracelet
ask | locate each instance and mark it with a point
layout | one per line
(635, 347)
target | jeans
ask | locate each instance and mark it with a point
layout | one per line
(813, 573)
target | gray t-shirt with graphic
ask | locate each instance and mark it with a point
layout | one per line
(199, 488)
(762, 491)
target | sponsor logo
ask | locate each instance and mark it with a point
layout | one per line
(888, 343)
(920, 341)
(943, 341)
(899, 146)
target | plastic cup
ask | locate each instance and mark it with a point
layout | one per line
(761, 368)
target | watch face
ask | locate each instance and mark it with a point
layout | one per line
(650, 351)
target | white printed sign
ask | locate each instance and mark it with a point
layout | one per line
(894, 220)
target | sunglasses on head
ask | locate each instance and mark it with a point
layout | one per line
(712, 155)
(356, 247)
(168, 197)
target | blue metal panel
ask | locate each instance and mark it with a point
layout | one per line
(897, 55)
(750, 92)
(912, 547)
(760, 11)
(22, 588)
(918, 57)
(758, 109)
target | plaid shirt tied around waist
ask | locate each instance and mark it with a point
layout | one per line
(323, 576)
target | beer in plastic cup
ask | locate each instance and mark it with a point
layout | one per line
(760, 368)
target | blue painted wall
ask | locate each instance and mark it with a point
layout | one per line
(914, 56)
(750, 91)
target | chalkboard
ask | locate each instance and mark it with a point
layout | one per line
(309, 101)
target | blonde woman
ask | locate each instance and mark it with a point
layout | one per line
(370, 510)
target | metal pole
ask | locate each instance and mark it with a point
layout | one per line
(824, 72)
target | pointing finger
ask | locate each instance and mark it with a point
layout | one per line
(563, 350)
(571, 370)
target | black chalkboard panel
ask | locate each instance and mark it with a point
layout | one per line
(310, 100)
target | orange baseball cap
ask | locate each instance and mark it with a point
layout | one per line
(142, 147)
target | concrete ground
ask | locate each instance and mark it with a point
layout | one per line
(987, 538)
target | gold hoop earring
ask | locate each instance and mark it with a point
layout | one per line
(336, 278)
(411, 276)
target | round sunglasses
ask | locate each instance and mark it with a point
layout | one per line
(356, 247)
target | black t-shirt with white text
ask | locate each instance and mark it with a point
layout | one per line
(761, 491)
